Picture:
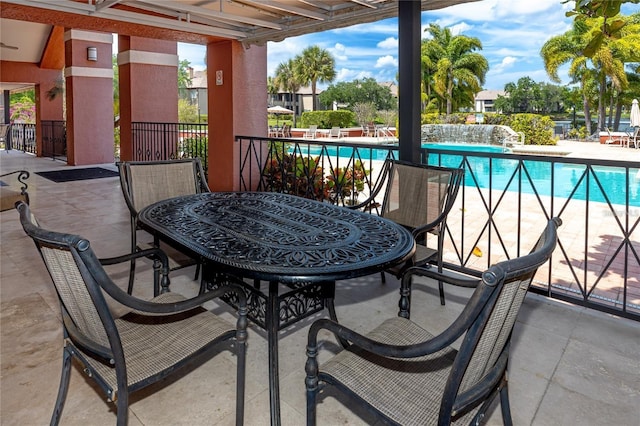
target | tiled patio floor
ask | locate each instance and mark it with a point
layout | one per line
(569, 365)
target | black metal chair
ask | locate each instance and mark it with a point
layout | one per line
(418, 197)
(407, 376)
(14, 191)
(153, 341)
(146, 182)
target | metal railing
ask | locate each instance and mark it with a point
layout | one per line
(22, 136)
(54, 138)
(167, 141)
(505, 201)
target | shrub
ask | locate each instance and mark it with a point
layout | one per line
(328, 119)
(304, 177)
(538, 129)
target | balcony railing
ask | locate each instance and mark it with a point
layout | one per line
(167, 141)
(597, 263)
(22, 136)
(54, 138)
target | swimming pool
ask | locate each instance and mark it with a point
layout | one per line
(485, 172)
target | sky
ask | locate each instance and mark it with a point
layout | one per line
(512, 33)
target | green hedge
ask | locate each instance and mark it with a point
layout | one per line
(327, 119)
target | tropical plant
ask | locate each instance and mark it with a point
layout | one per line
(459, 70)
(598, 46)
(314, 65)
(295, 174)
(286, 79)
(184, 76)
(345, 183)
(566, 48)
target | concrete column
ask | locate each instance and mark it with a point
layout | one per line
(237, 100)
(148, 74)
(89, 97)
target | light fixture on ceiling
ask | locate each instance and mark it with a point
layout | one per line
(92, 53)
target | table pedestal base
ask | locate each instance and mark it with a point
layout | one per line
(282, 306)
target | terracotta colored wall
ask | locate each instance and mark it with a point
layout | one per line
(44, 79)
(148, 92)
(236, 107)
(89, 103)
(25, 72)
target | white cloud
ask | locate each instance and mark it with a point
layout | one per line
(346, 74)
(507, 62)
(388, 43)
(386, 62)
(460, 28)
(339, 52)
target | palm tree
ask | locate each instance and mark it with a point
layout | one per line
(459, 70)
(315, 65)
(567, 48)
(286, 79)
(606, 47)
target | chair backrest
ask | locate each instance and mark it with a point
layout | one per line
(492, 311)
(334, 132)
(419, 194)
(74, 270)
(147, 182)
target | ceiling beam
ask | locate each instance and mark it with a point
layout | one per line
(106, 4)
(208, 13)
(287, 9)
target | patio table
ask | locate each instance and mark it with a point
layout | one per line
(300, 247)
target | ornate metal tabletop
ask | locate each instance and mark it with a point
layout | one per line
(273, 236)
(301, 247)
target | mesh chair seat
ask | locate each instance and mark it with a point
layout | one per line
(398, 384)
(153, 345)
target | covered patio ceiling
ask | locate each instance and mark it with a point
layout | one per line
(201, 21)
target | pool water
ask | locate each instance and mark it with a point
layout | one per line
(481, 170)
(567, 178)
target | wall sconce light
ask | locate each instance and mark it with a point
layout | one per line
(92, 54)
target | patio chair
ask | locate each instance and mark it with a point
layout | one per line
(12, 191)
(418, 197)
(156, 339)
(146, 182)
(335, 132)
(634, 138)
(311, 132)
(407, 376)
(622, 140)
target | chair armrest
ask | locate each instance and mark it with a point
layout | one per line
(161, 280)
(439, 276)
(439, 342)
(153, 308)
(154, 253)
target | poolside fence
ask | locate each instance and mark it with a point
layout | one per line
(502, 207)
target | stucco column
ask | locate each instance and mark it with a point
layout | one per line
(148, 74)
(89, 97)
(237, 97)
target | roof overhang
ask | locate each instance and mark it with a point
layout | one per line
(201, 22)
